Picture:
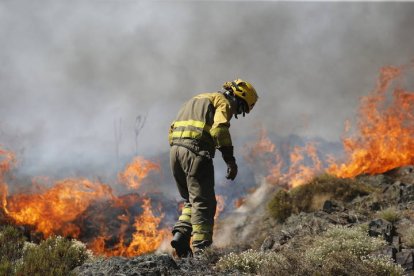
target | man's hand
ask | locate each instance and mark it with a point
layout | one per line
(231, 170)
(228, 157)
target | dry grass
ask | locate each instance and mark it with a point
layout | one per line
(391, 214)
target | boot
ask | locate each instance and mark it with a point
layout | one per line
(200, 247)
(181, 244)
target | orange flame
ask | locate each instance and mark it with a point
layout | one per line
(136, 172)
(6, 163)
(385, 130)
(147, 237)
(296, 172)
(52, 211)
(59, 210)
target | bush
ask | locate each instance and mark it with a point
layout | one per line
(345, 263)
(11, 247)
(252, 261)
(390, 214)
(340, 251)
(330, 186)
(354, 241)
(54, 256)
(382, 265)
(280, 206)
(12, 242)
(408, 236)
(311, 196)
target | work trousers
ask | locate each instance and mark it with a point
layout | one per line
(194, 175)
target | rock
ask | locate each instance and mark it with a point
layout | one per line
(274, 242)
(331, 206)
(399, 192)
(405, 259)
(380, 227)
(407, 193)
(401, 171)
(375, 206)
(267, 244)
(396, 242)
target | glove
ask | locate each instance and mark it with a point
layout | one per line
(231, 170)
(228, 157)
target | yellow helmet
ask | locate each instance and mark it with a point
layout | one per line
(246, 92)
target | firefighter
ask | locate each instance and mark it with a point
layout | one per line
(201, 126)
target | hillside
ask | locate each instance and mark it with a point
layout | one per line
(330, 226)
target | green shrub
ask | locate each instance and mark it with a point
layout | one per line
(252, 261)
(408, 236)
(311, 196)
(332, 187)
(382, 265)
(354, 241)
(6, 267)
(287, 263)
(11, 247)
(391, 214)
(12, 242)
(280, 206)
(344, 263)
(54, 256)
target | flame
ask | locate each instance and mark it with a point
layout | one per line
(383, 140)
(297, 171)
(385, 130)
(7, 161)
(61, 210)
(136, 172)
(146, 238)
(52, 211)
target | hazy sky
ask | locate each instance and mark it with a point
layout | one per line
(70, 69)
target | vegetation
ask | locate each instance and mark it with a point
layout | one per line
(408, 236)
(390, 214)
(11, 249)
(311, 196)
(340, 251)
(354, 241)
(54, 256)
(280, 207)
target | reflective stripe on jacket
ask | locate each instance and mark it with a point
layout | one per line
(202, 124)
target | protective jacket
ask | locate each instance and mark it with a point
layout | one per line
(201, 126)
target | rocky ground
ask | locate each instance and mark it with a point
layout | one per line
(254, 228)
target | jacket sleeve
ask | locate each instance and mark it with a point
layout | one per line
(220, 129)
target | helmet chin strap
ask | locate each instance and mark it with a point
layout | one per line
(240, 105)
(241, 108)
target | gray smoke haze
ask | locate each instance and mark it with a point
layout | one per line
(70, 69)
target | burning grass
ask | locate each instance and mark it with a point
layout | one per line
(88, 210)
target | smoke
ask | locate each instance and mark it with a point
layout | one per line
(70, 70)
